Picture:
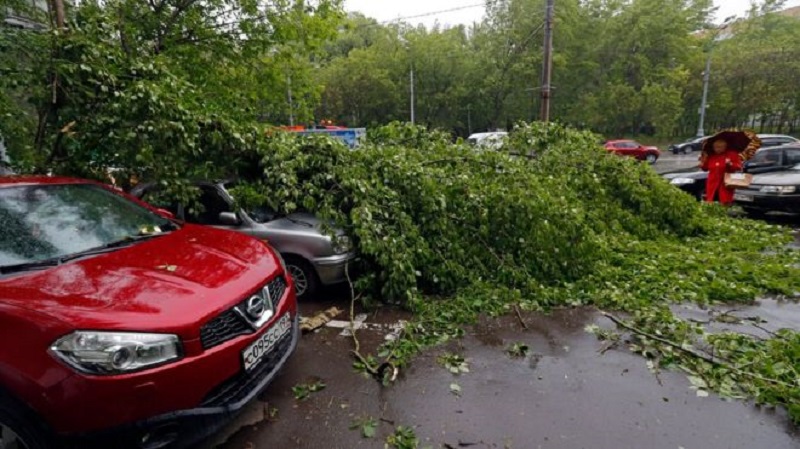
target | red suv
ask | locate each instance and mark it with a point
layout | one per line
(634, 149)
(118, 322)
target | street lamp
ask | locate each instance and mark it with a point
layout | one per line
(707, 76)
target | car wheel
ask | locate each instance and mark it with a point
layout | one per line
(651, 159)
(19, 429)
(304, 276)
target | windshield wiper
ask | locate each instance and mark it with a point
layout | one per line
(127, 241)
(6, 269)
(56, 261)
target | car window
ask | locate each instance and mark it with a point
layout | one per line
(209, 205)
(766, 157)
(793, 156)
(153, 196)
(42, 222)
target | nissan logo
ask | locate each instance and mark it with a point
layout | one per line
(259, 304)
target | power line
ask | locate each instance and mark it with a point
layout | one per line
(435, 13)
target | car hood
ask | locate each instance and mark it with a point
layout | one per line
(691, 173)
(302, 222)
(784, 178)
(166, 284)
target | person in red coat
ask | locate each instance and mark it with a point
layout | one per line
(722, 161)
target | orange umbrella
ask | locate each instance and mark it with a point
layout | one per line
(745, 142)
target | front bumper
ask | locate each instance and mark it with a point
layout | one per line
(184, 428)
(751, 199)
(332, 270)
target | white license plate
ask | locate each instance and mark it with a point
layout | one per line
(266, 342)
(743, 197)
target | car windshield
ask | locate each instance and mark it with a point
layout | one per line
(258, 213)
(48, 222)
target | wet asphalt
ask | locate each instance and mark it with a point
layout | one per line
(565, 393)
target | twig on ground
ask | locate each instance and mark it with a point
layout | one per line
(692, 352)
(519, 317)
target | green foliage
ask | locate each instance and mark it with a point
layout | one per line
(518, 350)
(368, 426)
(402, 438)
(154, 87)
(454, 363)
(303, 391)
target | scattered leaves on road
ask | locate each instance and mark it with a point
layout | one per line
(303, 391)
(454, 363)
(518, 350)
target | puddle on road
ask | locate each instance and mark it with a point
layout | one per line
(759, 319)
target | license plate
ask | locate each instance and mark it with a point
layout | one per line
(743, 197)
(266, 342)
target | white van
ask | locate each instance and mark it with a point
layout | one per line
(490, 140)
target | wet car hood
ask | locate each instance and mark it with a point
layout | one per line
(784, 178)
(691, 173)
(167, 283)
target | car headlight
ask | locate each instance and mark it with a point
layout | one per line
(342, 244)
(682, 181)
(778, 189)
(106, 353)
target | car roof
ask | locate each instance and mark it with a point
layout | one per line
(41, 180)
(773, 136)
(621, 140)
(494, 133)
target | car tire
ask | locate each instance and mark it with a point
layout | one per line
(20, 428)
(651, 159)
(304, 276)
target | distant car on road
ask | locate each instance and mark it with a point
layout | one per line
(632, 148)
(693, 180)
(688, 146)
(312, 257)
(125, 328)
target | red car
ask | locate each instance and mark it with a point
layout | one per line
(631, 148)
(121, 324)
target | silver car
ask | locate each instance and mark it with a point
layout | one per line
(312, 257)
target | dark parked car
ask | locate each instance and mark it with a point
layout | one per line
(688, 146)
(312, 257)
(777, 191)
(693, 180)
(631, 148)
(123, 328)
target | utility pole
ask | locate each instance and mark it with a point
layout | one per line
(58, 8)
(547, 69)
(704, 104)
(291, 101)
(469, 118)
(716, 37)
(413, 111)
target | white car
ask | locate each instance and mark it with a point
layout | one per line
(490, 140)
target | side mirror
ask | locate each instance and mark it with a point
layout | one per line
(166, 213)
(229, 219)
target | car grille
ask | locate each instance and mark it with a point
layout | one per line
(231, 324)
(241, 385)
